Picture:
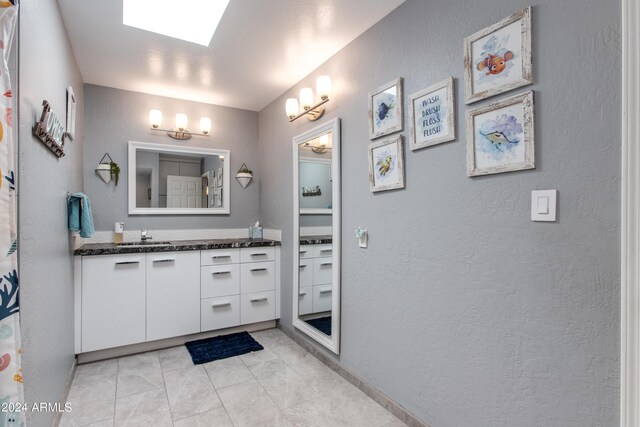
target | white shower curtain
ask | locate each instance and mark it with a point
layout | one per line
(11, 392)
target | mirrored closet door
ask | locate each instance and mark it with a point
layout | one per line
(316, 204)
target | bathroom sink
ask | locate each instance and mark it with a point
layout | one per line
(143, 244)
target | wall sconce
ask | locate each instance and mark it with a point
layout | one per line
(321, 146)
(244, 175)
(313, 112)
(155, 120)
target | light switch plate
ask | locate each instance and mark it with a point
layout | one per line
(543, 205)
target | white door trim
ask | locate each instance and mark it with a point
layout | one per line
(630, 218)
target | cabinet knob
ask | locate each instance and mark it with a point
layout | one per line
(215, 273)
(325, 291)
(260, 299)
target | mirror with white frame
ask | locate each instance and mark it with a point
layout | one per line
(171, 179)
(316, 229)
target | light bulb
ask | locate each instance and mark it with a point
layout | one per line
(324, 140)
(205, 125)
(181, 122)
(323, 87)
(306, 98)
(291, 107)
(155, 118)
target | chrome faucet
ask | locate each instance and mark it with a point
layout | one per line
(143, 235)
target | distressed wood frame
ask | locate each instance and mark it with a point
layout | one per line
(451, 115)
(398, 109)
(526, 99)
(397, 140)
(524, 16)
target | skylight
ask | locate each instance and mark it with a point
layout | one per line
(192, 20)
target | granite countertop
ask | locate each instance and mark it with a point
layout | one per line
(316, 240)
(176, 245)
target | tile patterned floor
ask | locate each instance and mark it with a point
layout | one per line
(282, 385)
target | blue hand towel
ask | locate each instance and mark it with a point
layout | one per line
(80, 218)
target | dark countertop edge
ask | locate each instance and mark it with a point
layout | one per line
(91, 249)
(316, 240)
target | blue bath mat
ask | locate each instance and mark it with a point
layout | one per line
(323, 324)
(222, 347)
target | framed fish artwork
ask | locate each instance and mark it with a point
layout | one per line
(500, 136)
(385, 109)
(386, 164)
(498, 58)
(432, 115)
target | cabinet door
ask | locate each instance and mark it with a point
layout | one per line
(218, 313)
(305, 298)
(219, 280)
(257, 307)
(322, 298)
(257, 277)
(173, 294)
(322, 271)
(113, 301)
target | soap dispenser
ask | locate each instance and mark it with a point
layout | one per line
(118, 232)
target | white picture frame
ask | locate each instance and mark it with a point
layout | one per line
(432, 115)
(500, 136)
(386, 109)
(71, 114)
(386, 164)
(497, 59)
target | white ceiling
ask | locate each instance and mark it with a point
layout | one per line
(260, 49)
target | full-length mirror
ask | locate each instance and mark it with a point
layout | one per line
(316, 204)
(171, 179)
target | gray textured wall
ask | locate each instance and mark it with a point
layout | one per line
(462, 309)
(47, 67)
(114, 117)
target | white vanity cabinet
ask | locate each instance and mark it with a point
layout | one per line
(113, 301)
(315, 279)
(173, 294)
(136, 298)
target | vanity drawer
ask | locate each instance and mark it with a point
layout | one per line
(257, 277)
(306, 272)
(305, 300)
(220, 256)
(218, 313)
(306, 251)
(322, 298)
(258, 254)
(257, 307)
(219, 280)
(322, 271)
(322, 251)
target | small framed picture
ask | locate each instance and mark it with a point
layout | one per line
(219, 177)
(386, 164)
(385, 109)
(500, 136)
(432, 115)
(498, 58)
(71, 113)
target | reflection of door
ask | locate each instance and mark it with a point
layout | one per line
(184, 192)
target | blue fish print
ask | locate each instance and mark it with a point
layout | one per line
(11, 180)
(497, 138)
(383, 110)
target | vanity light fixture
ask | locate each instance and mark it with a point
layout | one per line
(321, 146)
(244, 175)
(313, 112)
(155, 120)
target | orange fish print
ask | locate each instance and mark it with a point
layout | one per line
(8, 93)
(5, 4)
(495, 64)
